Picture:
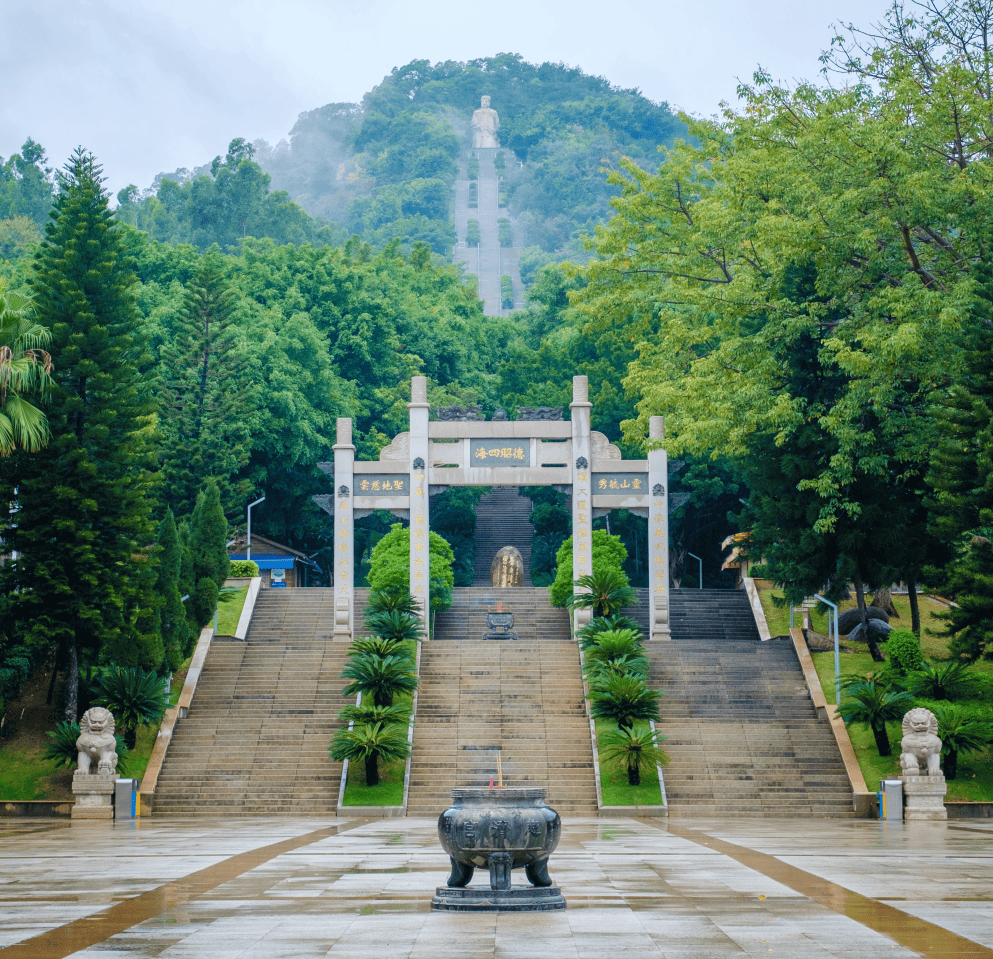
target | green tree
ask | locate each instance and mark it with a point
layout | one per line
(208, 551)
(25, 374)
(635, 751)
(210, 395)
(26, 185)
(177, 637)
(605, 591)
(624, 699)
(608, 554)
(371, 743)
(390, 565)
(381, 677)
(872, 705)
(959, 734)
(84, 577)
(136, 698)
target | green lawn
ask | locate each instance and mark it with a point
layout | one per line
(229, 612)
(24, 774)
(389, 792)
(614, 778)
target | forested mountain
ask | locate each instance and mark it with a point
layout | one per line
(384, 167)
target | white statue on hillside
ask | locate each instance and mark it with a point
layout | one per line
(485, 123)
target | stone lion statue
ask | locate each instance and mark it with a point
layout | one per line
(920, 746)
(96, 742)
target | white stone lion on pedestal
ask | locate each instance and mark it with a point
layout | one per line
(96, 742)
(920, 745)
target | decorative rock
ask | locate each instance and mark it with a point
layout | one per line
(507, 568)
(877, 628)
(499, 830)
(923, 790)
(851, 618)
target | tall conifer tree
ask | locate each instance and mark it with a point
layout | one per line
(176, 632)
(210, 397)
(208, 550)
(85, 570)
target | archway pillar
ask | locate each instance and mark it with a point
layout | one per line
(658, 532)
(582, 499)
(344, 530)
(420, 544)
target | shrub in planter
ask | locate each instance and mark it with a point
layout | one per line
(472, 233)
(507, 292)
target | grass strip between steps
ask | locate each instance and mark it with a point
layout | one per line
(614, 776)
(389, 792)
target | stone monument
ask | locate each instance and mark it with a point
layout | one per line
(499, 830)
(96, 772)
(485, 123)
(920, 758)
(507, 568)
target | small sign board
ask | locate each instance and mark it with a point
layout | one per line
(382, 484)
(619, 484)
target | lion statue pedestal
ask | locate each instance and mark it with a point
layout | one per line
(95, 777)
(920, 758)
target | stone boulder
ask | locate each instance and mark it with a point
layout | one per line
(507, 568)
(851, 618)
(877, 628)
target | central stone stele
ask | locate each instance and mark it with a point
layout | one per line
(507, 568)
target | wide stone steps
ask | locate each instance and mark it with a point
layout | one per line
(521, 701)
(255, 740)
(743, 735)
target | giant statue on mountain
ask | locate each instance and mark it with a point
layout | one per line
(485, 123)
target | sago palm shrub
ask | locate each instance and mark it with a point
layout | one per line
(872, 705)
(371, 743)
(135, 696)
(624, 699)
(605, 591)
(959, 734)
(381, 677)
(637, 752)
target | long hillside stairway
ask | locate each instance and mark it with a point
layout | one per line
(502, 519)
(255, 740)
(744, 737)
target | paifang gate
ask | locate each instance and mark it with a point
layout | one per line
(432, 456)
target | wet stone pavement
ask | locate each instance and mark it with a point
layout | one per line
(692, 889)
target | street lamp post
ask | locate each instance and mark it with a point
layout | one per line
(700, 561)
(248, 544)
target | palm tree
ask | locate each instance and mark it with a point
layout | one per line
(872, 705)
(398, 625)
(636, 751)
(370, 713)
(370, 743)
(616, 651)
(391, 599)
(624, 699)
(376, 646)
(607, 624)
(25, 370)
(381, 677)
(607, 591)
(134, 696)
(959, 735)
(948, 680)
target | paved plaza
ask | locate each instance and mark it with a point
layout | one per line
(692, 888)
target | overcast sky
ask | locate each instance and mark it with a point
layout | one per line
(150, 87)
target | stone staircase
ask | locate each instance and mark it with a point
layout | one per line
(522, 699)
(744, 737)
(255, 740)
(502, 520)
(489, 261)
